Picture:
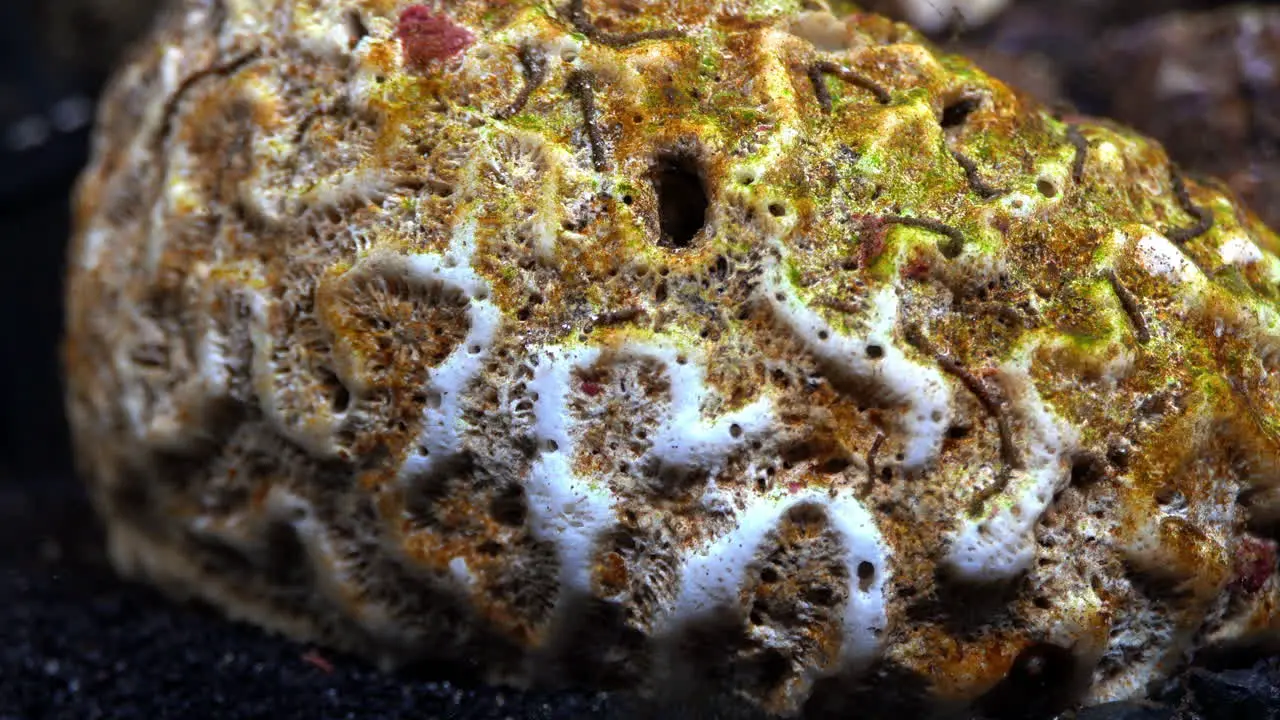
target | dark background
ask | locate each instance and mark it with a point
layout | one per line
(75, 642)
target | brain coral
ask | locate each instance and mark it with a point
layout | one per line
(729, 342)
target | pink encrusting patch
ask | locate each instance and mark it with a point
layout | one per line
(427, 36)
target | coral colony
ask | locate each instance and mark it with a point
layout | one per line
(728, 341)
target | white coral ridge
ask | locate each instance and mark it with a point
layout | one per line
(713, 577)
(440, 435)
(896, 378)
(572, 511)
(999, 543)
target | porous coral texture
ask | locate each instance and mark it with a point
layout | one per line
(703, 343)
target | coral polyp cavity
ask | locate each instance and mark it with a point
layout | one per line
(734, 343)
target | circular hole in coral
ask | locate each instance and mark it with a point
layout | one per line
(822, 596)
(682, 197)
(1046, 187)
(875, 352)
(955, 113)
(777, 209)
(509, 507)
(866, 574)
(552, 446)
(823, 334)
(341, 399)
(627, 199)
(1087, 468)
(356, 29)
(768, 575)
(1168, 496)
(735, 430)
(833, 465)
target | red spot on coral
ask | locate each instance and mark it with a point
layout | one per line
(872, 238)
(428, 37)
(916, 269)
(1255, 562)
(591, 388)
(795, 486)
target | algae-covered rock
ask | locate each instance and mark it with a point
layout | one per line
(675, 345)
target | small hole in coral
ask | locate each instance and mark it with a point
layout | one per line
(735, 430)
(341, 399)
(875, 352)
(835, 465)
(823, 334)
(822, 596)
(355, 28)
(552, 446)
(769, 575)
(1087, 468)
(509, 506)
(956, 113)
(956, 432)
(1168, 496)
(682, 199)
(866, 574)
(1046, 187)
(777, 209)
(886, 474)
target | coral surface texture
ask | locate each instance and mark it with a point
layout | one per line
(747, 345)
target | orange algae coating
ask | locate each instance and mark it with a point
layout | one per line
(733, 346)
